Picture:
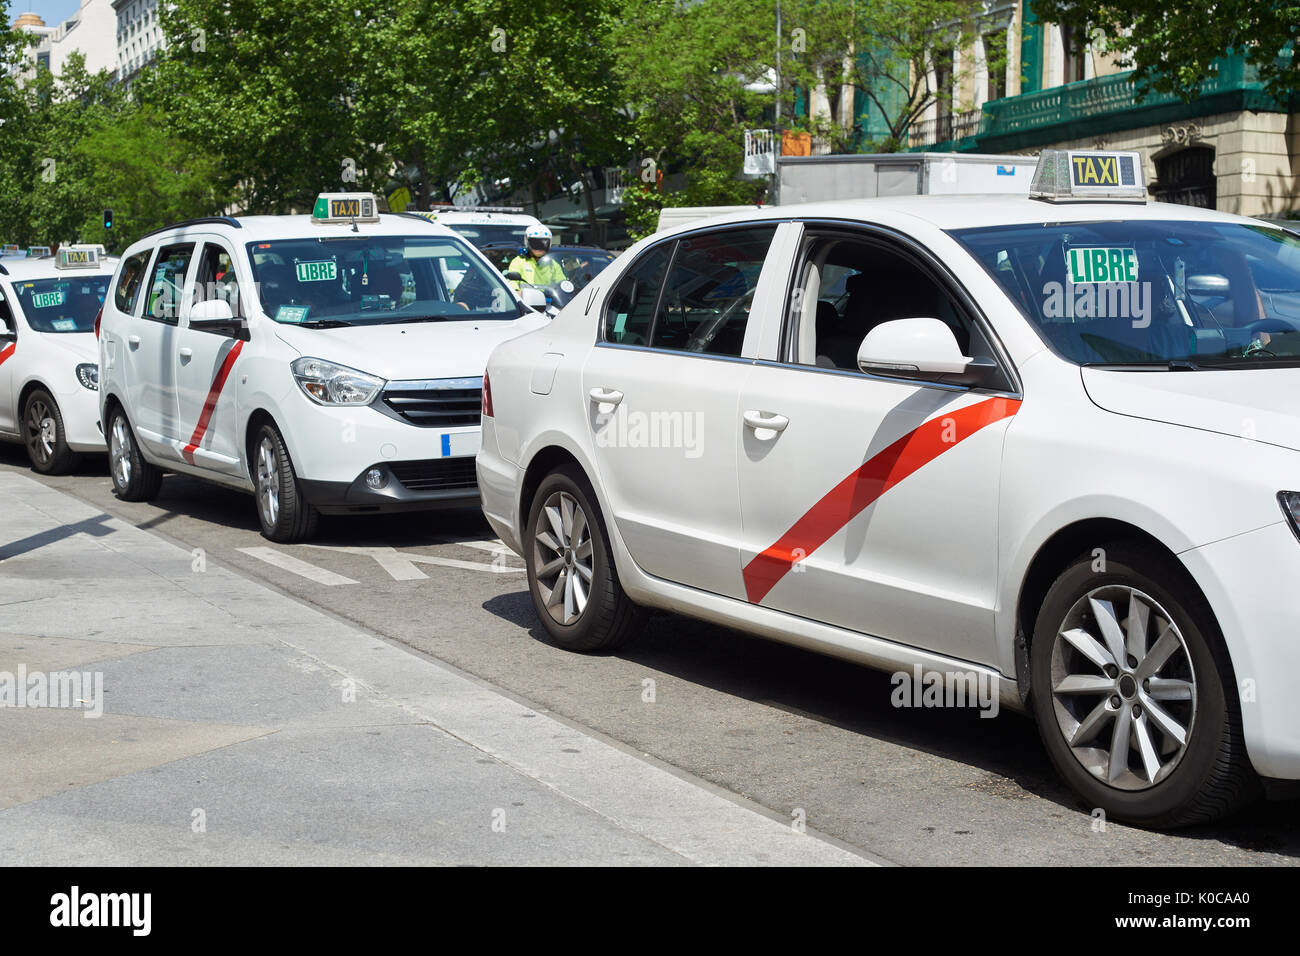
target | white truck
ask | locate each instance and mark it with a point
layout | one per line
(866, 175)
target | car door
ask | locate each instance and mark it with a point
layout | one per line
(661, 389)
(204, 360)
(151, 350)
(870, 502)
(8, 346)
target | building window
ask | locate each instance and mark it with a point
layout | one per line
(995, 63)
(1072, 48)
(42, 61)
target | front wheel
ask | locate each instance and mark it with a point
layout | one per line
(44, 435)
(1133, 692)
(134, 479)
(285, 515)
(571, 574)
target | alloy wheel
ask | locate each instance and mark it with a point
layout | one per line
(119, 451)
(268, 482)
(42, 431)
(1123, 687)
(562, 556)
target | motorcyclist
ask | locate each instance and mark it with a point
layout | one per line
(534, 265)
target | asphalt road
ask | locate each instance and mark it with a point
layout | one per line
(805, 736)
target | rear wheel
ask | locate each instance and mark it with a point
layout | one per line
(43, 433)
(134, 479)
(571, 574)
(1133, 692)
(285, 515)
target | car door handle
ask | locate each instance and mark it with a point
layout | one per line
(133, 341)
(606, 396)
(770, 421)
(187, 354)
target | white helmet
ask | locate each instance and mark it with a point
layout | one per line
(538, 238)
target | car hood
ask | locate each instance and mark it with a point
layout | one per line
(1258, 404)
(80, 346)
(416, 350)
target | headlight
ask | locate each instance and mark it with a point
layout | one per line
(88, 375)
(1290, 502)
(328, 384)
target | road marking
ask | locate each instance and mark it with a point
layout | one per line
(495, 546)
(401, 565)
(301, 568)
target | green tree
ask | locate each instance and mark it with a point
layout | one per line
(1172, 47)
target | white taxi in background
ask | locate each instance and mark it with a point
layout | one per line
(1049, 445)
(330, 363)
(49, 373)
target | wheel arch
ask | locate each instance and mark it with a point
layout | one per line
(1057, 552)
(545, 461)
(256, 419)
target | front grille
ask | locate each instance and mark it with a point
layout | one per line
(437, 403)
(435, 474)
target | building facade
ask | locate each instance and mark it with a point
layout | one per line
(139, 36)
(1019, 86)
(89, 31)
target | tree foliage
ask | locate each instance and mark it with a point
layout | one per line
(1172, 47)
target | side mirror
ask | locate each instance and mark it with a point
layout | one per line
(514, 276)
(216, 316)
(6, 328)
(921, 348)
(532, 297)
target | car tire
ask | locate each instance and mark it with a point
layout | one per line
(285, 514)
(1153, 738)
(134, 479)
(44, 435)
(571, 573)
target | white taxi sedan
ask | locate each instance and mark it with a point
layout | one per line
(49, 376)
(1046, 445)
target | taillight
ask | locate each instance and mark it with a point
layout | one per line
(487, 397)
(99, 316)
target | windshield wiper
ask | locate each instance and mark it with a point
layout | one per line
(322, 324)
(418, 318)
(1183, 365)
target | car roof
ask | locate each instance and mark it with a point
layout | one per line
(18, 270)
(270, 228)
(970, 211)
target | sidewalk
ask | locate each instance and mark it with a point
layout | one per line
(240, 726)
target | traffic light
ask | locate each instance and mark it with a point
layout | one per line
(108, 219)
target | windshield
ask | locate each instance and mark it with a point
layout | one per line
(581, 265)
(62, 305)
(373, 280)
(481, 234)
(1195, 294)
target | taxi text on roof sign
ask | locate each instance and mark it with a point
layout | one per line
(345, 207)
(1080, 175)
(78, 257)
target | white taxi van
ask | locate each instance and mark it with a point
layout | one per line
(1047, 444)
(49, 372)
(484, 225)
(330, 362)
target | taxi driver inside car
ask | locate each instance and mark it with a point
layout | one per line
(953, 432)
(49, 375)
(256, 325)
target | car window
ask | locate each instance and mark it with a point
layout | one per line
(7, 324)
(164, 300)
(850, 285)
(66, 304)
(630, 311)
(215, 278)
(130, 281)
(711, 284)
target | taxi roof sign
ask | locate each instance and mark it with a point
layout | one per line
(38, 252)
(345, 208)
(1079, 175)
(78, 257)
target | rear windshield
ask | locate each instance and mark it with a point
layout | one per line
(375, 280)
(62, 305)
(1196, 294)
(482, 234)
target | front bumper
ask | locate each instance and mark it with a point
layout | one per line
(1250, 580)
(422, 485)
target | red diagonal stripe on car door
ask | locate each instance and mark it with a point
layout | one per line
(214, 393)
(7, 351)
(867, 483)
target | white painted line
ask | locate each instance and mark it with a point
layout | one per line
(301, 568)
(401, 565)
